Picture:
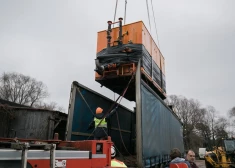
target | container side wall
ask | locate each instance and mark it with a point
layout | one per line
(85, 103)
(162, 130)
(146, 39)
(82, 115)
(163, 64)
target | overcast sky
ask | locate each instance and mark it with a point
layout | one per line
(55, 42)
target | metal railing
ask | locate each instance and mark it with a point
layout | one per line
(23, 148)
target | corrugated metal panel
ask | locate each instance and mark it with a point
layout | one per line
(5, 122)
(161, 129)
(28, 122)
(80, 116)
(32, 124)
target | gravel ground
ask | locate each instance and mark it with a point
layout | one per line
(130, 160)
(200, 163)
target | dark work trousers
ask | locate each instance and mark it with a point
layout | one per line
(100, 133)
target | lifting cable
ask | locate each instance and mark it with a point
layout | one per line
(119, 121)
(85, 101)
(114, 18)
(110, 109)
(148, 14)
(121, 134)
(155, 24)
(125, 12)
(118, 117)
(93, 114)
(115, 12)
(105, 115)
(122, 95)
(104, 131)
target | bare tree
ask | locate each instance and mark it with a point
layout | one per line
(188, 110)
(232, 112)
(50, 106)
(220, 128)
(190, 113)
(205, 133)
(207, 126)
(201, 127)
(210, 119)
(21, 89)
(231, 120)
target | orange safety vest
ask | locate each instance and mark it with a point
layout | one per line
(117, 163)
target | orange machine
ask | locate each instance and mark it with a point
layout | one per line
(118, 52)
(55, 154)
(136, 33)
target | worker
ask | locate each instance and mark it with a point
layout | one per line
(101, 131)
(191, 158)
(115, 162)
(176, 160)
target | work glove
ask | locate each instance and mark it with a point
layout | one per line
(113, 111)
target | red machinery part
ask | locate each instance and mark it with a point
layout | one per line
(68, 154)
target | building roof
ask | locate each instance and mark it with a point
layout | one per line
(9, 103)
(16, 106)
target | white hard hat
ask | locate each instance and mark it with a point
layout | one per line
(113, 151)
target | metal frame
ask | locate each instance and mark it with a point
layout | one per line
(20, 151)
(24, 155)
(68, 131)
(139, 139)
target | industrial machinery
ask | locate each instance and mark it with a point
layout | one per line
(118, 51)
(34, 153)
(223, 156)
